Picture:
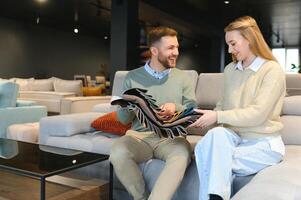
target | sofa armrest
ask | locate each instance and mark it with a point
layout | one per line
(81, 104)
(20, 115)
(66, 125)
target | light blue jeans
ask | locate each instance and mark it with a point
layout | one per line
(221, 155)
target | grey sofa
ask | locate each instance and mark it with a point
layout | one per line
(277, 182)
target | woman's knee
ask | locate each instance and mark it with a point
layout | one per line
(221, 133)
(216, 135)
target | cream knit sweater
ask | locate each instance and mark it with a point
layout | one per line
(252, 101)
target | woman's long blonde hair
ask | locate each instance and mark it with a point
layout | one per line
(249, 29)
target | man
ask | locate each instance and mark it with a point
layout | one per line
(173, 92)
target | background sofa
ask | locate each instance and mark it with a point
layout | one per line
(58, 95)
(13, 111)
(277, 182)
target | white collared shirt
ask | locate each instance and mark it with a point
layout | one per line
(254, 66)
(157, 75)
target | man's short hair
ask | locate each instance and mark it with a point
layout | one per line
(157, 33)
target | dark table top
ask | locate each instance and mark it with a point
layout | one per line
(41, 160)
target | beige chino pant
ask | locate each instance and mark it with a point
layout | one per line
(136, 147)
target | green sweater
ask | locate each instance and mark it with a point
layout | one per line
(252, 101)
(173, 88)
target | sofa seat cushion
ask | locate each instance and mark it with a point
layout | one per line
(279, 182)
(96, 142)
(27, 132)
(88, 141)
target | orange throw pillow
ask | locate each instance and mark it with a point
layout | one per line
(109, 123)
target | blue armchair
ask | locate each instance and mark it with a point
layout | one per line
(16, 112)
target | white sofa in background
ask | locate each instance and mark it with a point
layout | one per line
(58, 95)
(82, 104)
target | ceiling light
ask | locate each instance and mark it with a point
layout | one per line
(105, 37)
(41, 1)
(226, 2)
(75, 30)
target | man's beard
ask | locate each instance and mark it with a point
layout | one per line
(164, 61)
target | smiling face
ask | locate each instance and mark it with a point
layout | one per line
(238, 46)
(166, 51)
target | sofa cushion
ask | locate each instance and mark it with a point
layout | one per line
(75, 86)
(209, 89)
(41, 84)
(8, 94)
(291, 132)
(292, 105)
(95, 142)
(23, 83)
(293, 84)
(67, 125)
(109, 123)
(281, 181)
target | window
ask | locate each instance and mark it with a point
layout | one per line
(286, 57)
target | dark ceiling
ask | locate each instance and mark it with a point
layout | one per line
(279, 19)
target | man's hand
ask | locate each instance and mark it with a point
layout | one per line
(167, 111)
(208, 118)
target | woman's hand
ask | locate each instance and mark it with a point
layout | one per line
(208, 118)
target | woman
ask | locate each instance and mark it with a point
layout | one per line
(247, 138)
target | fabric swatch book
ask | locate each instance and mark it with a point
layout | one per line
(145, 109)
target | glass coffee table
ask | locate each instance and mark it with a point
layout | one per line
(41, 161)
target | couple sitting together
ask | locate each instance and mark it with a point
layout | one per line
(245, 134)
